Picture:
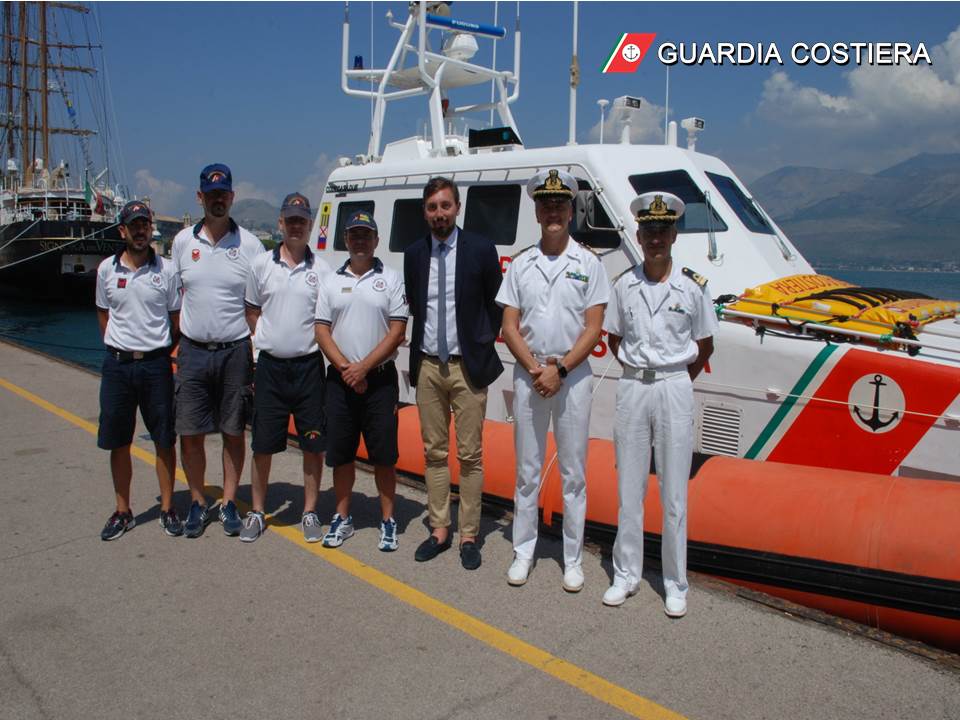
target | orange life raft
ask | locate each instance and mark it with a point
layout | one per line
(881, 550)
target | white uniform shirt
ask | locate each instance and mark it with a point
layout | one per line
(214, 280)
(552, 294)
(433, 292)
(659, 322)
(359, 309)
(287, 298)
(139, 302)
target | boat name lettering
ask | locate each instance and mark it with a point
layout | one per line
(333, 187)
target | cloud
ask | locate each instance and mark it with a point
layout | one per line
(884, 115)
(248, 191)
(315, 182)
(646, 124)
(167, 197)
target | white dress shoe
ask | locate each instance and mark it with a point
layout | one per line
(675, 607)
(618, 593)
(573, 579)
(518, 572)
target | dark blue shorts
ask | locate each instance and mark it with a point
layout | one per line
(372, 414)
(214, 388)
(283, 388)
(125, 386)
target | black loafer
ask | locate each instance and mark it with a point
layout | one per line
(470, 555)
(430, 548)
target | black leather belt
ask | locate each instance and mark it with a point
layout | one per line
(131, 356)
(298, 358)
(216, 345)
(452, 358)
(388, 365)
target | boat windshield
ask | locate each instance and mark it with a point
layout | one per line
(696, 217)
(745, 207)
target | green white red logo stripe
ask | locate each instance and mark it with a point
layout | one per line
(628, 52)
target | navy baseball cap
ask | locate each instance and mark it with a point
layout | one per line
(361, 219)
(133, 210)
(216, 177)
(295, 205)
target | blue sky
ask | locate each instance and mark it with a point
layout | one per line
(256, 85)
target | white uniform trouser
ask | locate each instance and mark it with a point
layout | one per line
(660, 414)
(570, 410)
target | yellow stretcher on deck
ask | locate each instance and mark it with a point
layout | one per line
(823, 304)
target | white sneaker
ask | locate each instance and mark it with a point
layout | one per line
(617, 594)
(518, 572)
(675, 607)
(573, 579)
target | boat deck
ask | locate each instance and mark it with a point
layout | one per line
(151, 626)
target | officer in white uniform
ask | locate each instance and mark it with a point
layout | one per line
(661, 323)
(553, 296)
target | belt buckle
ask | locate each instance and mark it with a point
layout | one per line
(648, 375)
(213, 346)
(137, 355)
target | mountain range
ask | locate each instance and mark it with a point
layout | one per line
(906, 215)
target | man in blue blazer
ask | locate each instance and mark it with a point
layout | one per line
(452, 278)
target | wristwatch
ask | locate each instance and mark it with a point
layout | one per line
(561, 370)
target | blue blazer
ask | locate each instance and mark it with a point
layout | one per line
(477, 280)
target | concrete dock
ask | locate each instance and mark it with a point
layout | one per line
(155, 627)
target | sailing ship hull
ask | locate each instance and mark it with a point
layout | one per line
(49, 261)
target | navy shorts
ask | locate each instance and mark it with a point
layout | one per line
(214, 388)
(127, 385)
(283, 388)
(372, 414)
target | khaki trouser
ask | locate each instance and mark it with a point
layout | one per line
(440, 388)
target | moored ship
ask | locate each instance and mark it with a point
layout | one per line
(53, 231)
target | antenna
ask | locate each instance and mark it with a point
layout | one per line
(666, 108)
(574, 78)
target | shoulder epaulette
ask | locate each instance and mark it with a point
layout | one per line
(587, 247)
(695, 276)
(529, 247)
(628, 270)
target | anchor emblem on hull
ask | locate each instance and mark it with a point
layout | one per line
(874, 422)
(872, 418)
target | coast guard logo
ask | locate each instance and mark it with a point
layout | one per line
(156, 280)
(876, 403)
(312, 279)
(195, 255)
(379, 284)
(233, 253)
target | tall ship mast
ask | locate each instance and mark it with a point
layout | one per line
(60, 196)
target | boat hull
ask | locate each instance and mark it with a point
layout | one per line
(881, 550)
(49, 260)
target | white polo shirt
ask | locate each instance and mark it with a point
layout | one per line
(287, 299)
(431, 317)
(214, 280)
(359, 309)
(659, 322)
(139, 302)
(552, 294)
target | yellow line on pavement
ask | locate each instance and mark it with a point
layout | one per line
(583, 680)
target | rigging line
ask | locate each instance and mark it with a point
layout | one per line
(59, 247)
(121, 174)
(829, 401)
(21, 233)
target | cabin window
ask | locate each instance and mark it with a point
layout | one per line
(492, 211)
(594, 229)
(344, 211)
(745, 207)
(695, 217)
(408, 224)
